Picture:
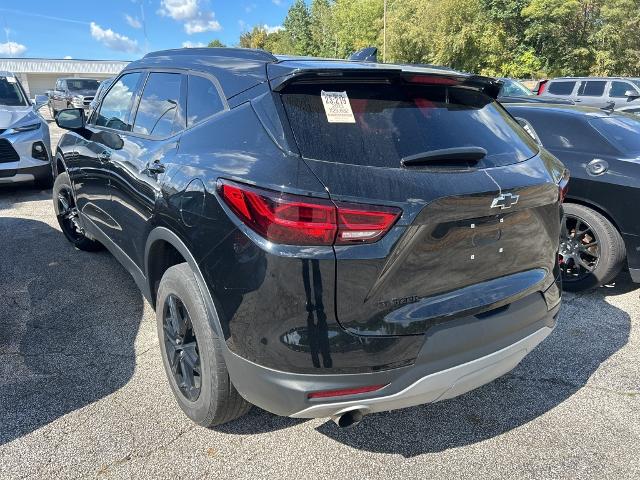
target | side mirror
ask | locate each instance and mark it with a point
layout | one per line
(631, 94)
(41, 101)
(71, 119)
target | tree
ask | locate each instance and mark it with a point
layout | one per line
(561, 32)
(322, 32)
(216, 43)
(358, 24)
(297, 24)
(254, 38)
(617, 43)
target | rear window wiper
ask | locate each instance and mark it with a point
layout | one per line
(446, 157)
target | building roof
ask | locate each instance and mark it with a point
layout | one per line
(55, 65)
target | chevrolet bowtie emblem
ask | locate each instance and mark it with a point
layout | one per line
(505, 200)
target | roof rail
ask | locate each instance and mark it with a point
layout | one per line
(238, 53)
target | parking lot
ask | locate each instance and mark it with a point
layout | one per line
(83, 392)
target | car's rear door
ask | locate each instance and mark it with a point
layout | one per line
(474, 232)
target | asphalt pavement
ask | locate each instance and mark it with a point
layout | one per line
(83, 393)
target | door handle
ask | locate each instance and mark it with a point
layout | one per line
(104, 156)
(156, 167)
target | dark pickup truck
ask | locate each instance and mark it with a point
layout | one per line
(72, 93)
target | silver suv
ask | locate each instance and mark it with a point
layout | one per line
(599, 92)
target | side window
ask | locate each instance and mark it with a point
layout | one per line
(592, 88)
(59, 85)
(618, 89)
(203, 99)
(561, 88)
(159, 113)
(116, 105)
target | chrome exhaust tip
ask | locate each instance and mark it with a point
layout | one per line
(347, 419)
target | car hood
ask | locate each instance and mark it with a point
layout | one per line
(9, 116)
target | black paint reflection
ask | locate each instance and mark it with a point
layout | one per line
(318, 329)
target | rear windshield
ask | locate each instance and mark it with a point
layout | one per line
(623, 132)
(393, 121)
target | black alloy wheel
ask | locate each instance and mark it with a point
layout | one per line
(579, 249)
(182, 348)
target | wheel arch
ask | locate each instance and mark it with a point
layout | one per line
(59, 163)
(596, 207)
(162, 241)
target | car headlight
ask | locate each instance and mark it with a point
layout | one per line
(24, 128)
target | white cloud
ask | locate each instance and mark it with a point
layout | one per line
(250, 8)
(191, 13)
(274, 29)
(113, 40)
(277, 2)
(68, 57)
(243, 25)
(133, 21)
(12, 49)
(189, 44)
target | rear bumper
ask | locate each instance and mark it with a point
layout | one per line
(440, 385)
(456, 357)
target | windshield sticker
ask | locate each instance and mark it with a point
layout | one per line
(11, 79)
(337, 107)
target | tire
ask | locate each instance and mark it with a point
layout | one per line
(70, 228)
(53, 112)
(217, 401)
(610, 249)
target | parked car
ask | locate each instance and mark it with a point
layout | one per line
(601, 92)
(513, 91)
(318, 238)
(72, 93)
(102, 89)
(24, 136)
(600, 229)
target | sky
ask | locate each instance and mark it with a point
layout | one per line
(127, 29)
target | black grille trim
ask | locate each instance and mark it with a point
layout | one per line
(7, 152)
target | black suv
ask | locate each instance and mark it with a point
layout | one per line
(318, 238)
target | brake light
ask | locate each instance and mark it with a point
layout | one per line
(431, 80)
(344, 391)
(541, 86)
(298, 220)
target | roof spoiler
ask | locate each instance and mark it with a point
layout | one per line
(487, 85)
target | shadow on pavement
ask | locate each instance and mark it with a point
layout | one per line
(66, 339)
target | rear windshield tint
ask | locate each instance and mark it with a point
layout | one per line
(623, 132)
(400, 120)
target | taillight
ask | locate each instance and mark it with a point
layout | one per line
(541, 86)
(563, 185)
(298, 220)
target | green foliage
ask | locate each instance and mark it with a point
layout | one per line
(517, 38)
(216, 43)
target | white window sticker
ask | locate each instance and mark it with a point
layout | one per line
(11, 79)
(337, 107)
